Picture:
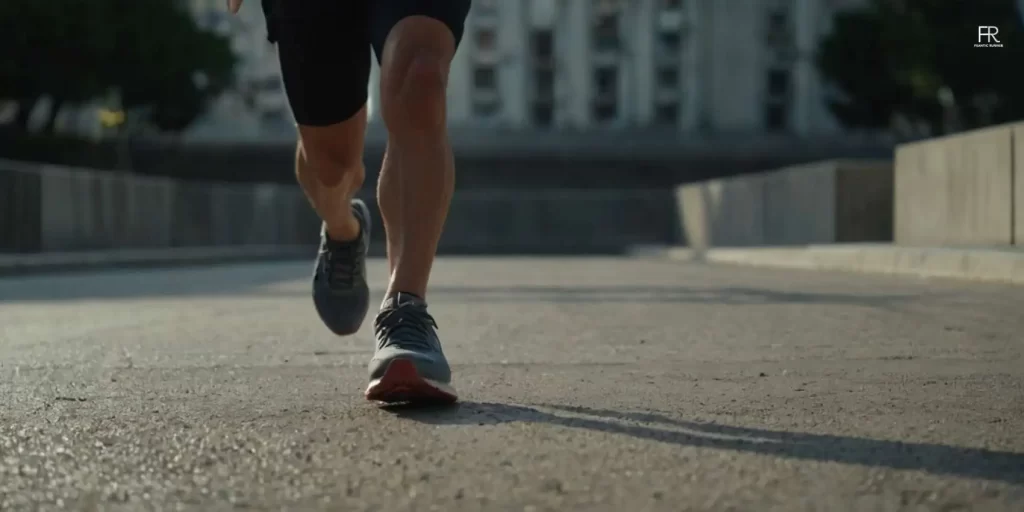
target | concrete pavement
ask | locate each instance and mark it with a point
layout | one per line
(587, 384)
(995, 265)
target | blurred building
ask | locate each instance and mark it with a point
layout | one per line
(692, 66)
(720, 66)
(256, 107)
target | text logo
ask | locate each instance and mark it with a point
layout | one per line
(987, 37)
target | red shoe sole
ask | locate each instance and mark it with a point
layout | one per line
(402, 383)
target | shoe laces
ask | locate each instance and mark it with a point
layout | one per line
(406, 326)
(342, 265)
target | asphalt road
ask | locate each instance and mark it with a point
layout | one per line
(587, 384)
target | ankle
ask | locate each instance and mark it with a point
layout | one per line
(346, 229)
(393, 295)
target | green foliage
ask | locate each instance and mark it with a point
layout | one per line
(150, 51)
(894, 57)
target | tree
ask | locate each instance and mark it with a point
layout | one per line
(166, 63)
(191, 88)
(906, 58)
(152, 52)
(53, 48)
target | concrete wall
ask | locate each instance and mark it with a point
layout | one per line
(864, 201)
(20, 205)
(554, 221)
(958, 190)
(726, 213)
(824, 202)
(51, 208)
(1018, 182)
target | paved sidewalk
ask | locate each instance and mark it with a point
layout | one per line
(589, 384)
(988, 265)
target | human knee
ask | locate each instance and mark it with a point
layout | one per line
(331, 157)
(417, 102)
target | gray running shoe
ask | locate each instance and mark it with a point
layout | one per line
(409, 365)
(340, 292)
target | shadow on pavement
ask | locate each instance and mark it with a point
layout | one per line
(654, 294)
(729, 296)
(931, 458)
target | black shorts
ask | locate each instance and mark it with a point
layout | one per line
(324, 48)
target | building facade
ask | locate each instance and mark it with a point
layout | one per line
(705, 66)
(256, 107)
(692, 66)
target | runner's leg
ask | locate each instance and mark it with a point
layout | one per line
(415, 41)
(324, 51)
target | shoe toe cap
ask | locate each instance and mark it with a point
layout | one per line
(429, 365)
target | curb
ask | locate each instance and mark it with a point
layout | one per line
(38, 263)
(983, 265)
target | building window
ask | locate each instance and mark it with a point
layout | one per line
(486, 39)
(606, 81)
(778, 83)
(485, 77)
(605, 86)
(543, 115)
(542, 50)
(778, 78)
(668, 77)
(666, 114)
(669, 42)
(486, 108)
(604, 111)
(776, 118)
(778, 32)
(777, 21)
(606, 32)
(543, 44)
(544, 81)
(486, 102)
(274, 116)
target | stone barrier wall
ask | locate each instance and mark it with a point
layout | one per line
(962, 190)
(825, 202)
(47, 208)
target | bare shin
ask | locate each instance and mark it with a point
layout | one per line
(418, 177)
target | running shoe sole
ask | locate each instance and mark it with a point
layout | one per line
(402, 383)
